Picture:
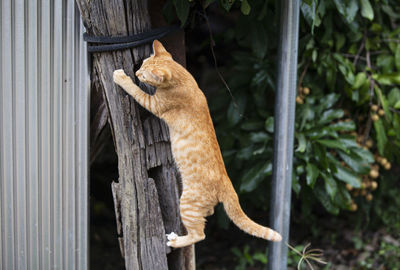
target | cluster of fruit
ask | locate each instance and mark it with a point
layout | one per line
(303, 92)
(376, 112)
(367, 144)
(369, 182)
(383, 162)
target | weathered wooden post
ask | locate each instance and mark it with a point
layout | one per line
(146, 195)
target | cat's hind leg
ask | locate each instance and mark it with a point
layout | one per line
(192, 215)
(183, 241)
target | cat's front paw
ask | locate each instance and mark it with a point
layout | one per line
(119, 76)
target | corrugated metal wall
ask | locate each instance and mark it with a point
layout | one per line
(43, 136)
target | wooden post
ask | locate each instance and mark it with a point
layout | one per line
(147, 193)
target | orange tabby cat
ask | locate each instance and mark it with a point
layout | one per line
(182, 105)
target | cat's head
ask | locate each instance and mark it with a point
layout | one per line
(155, 70)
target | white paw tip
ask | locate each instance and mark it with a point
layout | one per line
(277, 237)
(118, 73)
(169, 243)
(172, 236)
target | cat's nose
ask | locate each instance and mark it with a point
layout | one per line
(138, 73)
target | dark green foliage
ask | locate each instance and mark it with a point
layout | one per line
(349, 59)
(247, 258)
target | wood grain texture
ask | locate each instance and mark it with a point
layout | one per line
(145, 208)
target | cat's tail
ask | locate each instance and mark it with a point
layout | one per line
(232, 207)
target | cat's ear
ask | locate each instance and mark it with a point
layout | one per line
(158, 49)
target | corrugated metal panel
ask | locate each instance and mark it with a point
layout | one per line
(44, 99)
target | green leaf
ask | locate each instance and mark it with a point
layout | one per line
(384, 103)
(397, 105)
(264, 11)
(206, 3)
(348, 8)
(343, 126)
(314, 55)
(260, 149)
(255, 175)
(385, 62)
(380, 136)
(182, 10)
(306, 113)
(366, 155)
(396, 125)
(364, 93)
(375, 27)
(245, 7)
(227, 4)
(228, 153)
(259, 41)
(321, 10)
(317, 133)
(236, 110)
(261, 78)
(320, 154)
(333, 144)
(393, 97)
(355, 162)
(348, 141)
(366, 10)
(331, 77)
(309, 12)
(245, 153)
(330, 185)
(260, 257)
(343, 197)
(269, 124)
(295, 183)
(169, 12)
(389, 11)
(387, 79)
(258, 137)
(359, 80)
(347, 176)
(397, 57)
(302, 143)
(312, 174)
(329, 100)
(340, 41)
(330, 115)
(323, 197)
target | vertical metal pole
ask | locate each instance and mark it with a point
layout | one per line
(284, 131)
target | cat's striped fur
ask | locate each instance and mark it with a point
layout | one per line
(182, 105)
